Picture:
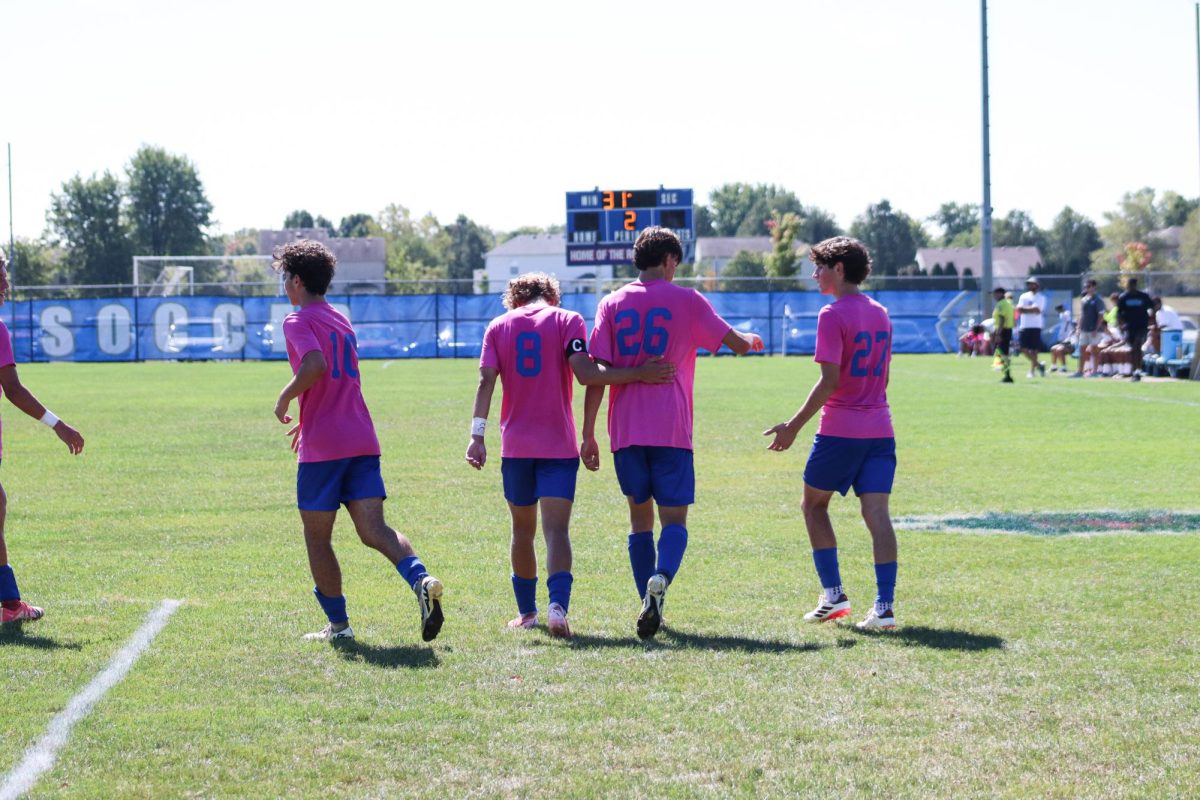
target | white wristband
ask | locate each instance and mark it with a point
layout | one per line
(478, 426)
(48, 419)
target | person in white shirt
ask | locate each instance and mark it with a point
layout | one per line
(1032, 305)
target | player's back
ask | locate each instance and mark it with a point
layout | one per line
(856, 333)
(531, 346)
(334, 419)
(654, 318)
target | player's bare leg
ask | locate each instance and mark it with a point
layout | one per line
(523, 557)
(556, 526)
(878, 520)
(326, 572)
(833, 603)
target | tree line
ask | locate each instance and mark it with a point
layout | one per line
(95, 225)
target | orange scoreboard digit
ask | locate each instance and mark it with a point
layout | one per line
(602, 224)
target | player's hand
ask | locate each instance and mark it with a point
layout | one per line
(589, 453)
(477, 452)
(70, 437)
(295, 434)
(281, 409)
(784, 435)
(756, 342)
(655, 370)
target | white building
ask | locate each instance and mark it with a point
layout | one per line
(539, 252)
(1010, 265)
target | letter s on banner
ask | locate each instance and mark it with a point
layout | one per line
(114, 330)
(57, 339)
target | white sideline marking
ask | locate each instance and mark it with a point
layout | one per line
(41, 755)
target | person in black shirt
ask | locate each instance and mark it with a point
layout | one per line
(1134, 308)
(1091, 328)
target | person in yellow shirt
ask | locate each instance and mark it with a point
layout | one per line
(1003, 322)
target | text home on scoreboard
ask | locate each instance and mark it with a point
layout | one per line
(602, 225)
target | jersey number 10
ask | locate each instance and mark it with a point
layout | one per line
(349, 353)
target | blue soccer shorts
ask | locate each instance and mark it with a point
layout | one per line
(325, 485)
(837, 463)
(526, 480)
(665, 473)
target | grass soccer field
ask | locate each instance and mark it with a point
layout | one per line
(1038, 656)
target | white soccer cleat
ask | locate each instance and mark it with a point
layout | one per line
(329, 633)
(429, 598)
(556, 621)
(886, 620)
(827, 610)
(524, 621)
(650, 619)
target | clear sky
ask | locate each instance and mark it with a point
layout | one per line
(495, 110)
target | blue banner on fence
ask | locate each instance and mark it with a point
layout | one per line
(414, 326)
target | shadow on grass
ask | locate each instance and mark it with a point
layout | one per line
(15, 636)
(939, 638)
(394, 657)
(673, 637)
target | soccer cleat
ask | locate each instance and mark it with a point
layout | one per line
(22, 613)
(329, 633)
(650, 619)
(557, 622)
(1029, 374)
(524, 620)
(1041, 369)
(429, 598)
(827, 610)
(876, 620)
(1006, 379)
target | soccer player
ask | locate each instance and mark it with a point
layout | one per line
(336, 443)
(855, 444)
(12, 607)
(1002, 328)
(533, 349)
(650, 427)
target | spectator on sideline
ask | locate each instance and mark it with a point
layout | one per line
(12, 607)
(1064, 340)
(1090, 329)
(1032, 305)
(973, 342)
(534, 348)
(1002, 328)
(1165, 319)
(1134, 308)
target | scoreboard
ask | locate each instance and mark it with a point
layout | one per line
(602, 225)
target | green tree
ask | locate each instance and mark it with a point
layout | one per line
(744, 264)
(168, 210)
(742, 209)
(467, 243)
(816, 225)
(702, 221)
(86, 219)
(357, 226)
(956, 219)
(892, 236)
(1017, 229)
(1069, 243)
(783, 260)
(1174, 209)
(33, 262)
(300, 218)
(1136, 216)
(1189, 250)
(415, 247)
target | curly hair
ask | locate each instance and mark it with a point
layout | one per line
(524, 289)
(653, 245)
(851, 253)
(312, 261)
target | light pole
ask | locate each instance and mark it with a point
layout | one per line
(985, 213)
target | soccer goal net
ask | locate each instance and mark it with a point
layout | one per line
(172, 276)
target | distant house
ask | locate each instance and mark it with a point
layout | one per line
(1167, 241)
(361, 261)
(539, 252)
(1010, 265)
(714, 252)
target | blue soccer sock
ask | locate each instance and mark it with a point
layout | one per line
(334, 607)
(559, 585)
(672, 543)
(826, 561)
(525, 590)
(885, 582)
(641, 559)
(412, 570)
(8, 585)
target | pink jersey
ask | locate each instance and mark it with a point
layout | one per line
(530, 347)
(334, 421)
(6, 359)
(856, 333)
(654, 318)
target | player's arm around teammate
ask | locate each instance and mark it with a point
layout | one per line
(855, 445)
(12, 607)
